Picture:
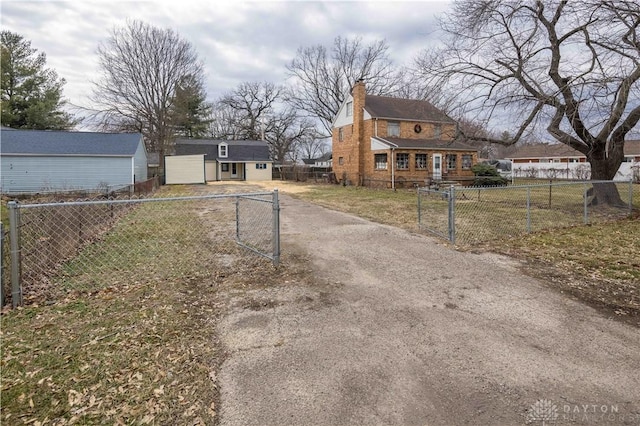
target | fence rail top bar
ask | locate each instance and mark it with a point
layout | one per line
(523, 186)
(145, 200)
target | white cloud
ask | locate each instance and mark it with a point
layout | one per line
(237, 40)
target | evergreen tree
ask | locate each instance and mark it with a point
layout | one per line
(31, 95)
(190, 111)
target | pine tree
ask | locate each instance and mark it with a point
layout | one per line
(31, 95)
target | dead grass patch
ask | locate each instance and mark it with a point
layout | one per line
(134, 343)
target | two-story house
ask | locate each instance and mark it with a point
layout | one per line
(392, 142)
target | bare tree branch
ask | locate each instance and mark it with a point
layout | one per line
(572, 68)
(141, 68)
(321, 78)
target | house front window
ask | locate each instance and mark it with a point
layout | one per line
(393, 128)
(223, 150)
(402, 161)
(349, 109)
(467, 161)
(421, 161)
(381, 161)
(451, 160)
(341, 160)
(225, 167)
(261, 166)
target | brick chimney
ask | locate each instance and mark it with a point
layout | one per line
(359, 92)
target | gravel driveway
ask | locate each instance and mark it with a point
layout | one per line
(400, 329)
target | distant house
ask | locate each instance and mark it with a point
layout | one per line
(544, 160)
(205, 160)
(383, 141)
(44, 161)
(322, 162)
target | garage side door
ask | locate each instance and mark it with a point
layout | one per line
(210, 170)
(183, 169)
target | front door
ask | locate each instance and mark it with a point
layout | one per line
(234, 170)
(437, 166)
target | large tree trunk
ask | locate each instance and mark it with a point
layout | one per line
(605, 167)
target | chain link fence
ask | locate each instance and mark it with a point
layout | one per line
(89, 245)
(472, 215)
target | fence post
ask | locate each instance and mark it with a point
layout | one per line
(452, 214)
(237, 218)
(276, 228)
(528, 209)
(419, 210)
(630, 197)
(586, 203)
(16, 262)
(2, 265)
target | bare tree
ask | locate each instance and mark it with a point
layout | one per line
(224, 123)
(141, 67)
(322, 77)
(253, 104)
(255, 111)
(572, 67)
(313, 146)
(286, 131)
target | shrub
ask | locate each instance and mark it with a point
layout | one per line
(487, 175)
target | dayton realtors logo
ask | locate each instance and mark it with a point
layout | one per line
(546, 412)
(543, 411)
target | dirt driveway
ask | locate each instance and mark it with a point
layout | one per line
(399, 329)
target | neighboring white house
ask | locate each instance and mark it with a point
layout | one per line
(560, 161)
(322, 162)
(44, 161)
(222, 160)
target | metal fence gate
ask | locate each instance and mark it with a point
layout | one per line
(86, 245)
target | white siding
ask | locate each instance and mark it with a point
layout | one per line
(255, 175)
(140, 163)
(184, 169)
(29, 174)
(376, 145)
(341, 118)
(210, 168)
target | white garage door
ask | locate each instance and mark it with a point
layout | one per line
(182, 169)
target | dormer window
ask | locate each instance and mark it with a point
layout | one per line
(223, 150)
(349, 109)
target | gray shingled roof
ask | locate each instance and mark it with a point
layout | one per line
(244, 150)
(546, 150)
(48, 142)
(404, 109)
(426, 144)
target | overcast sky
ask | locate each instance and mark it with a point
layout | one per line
(237, 40)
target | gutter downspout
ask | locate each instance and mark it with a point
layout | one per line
(393, 171)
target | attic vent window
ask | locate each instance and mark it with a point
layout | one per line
(223, 150)
(393, 128)
(437, 131)
(349, 109)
